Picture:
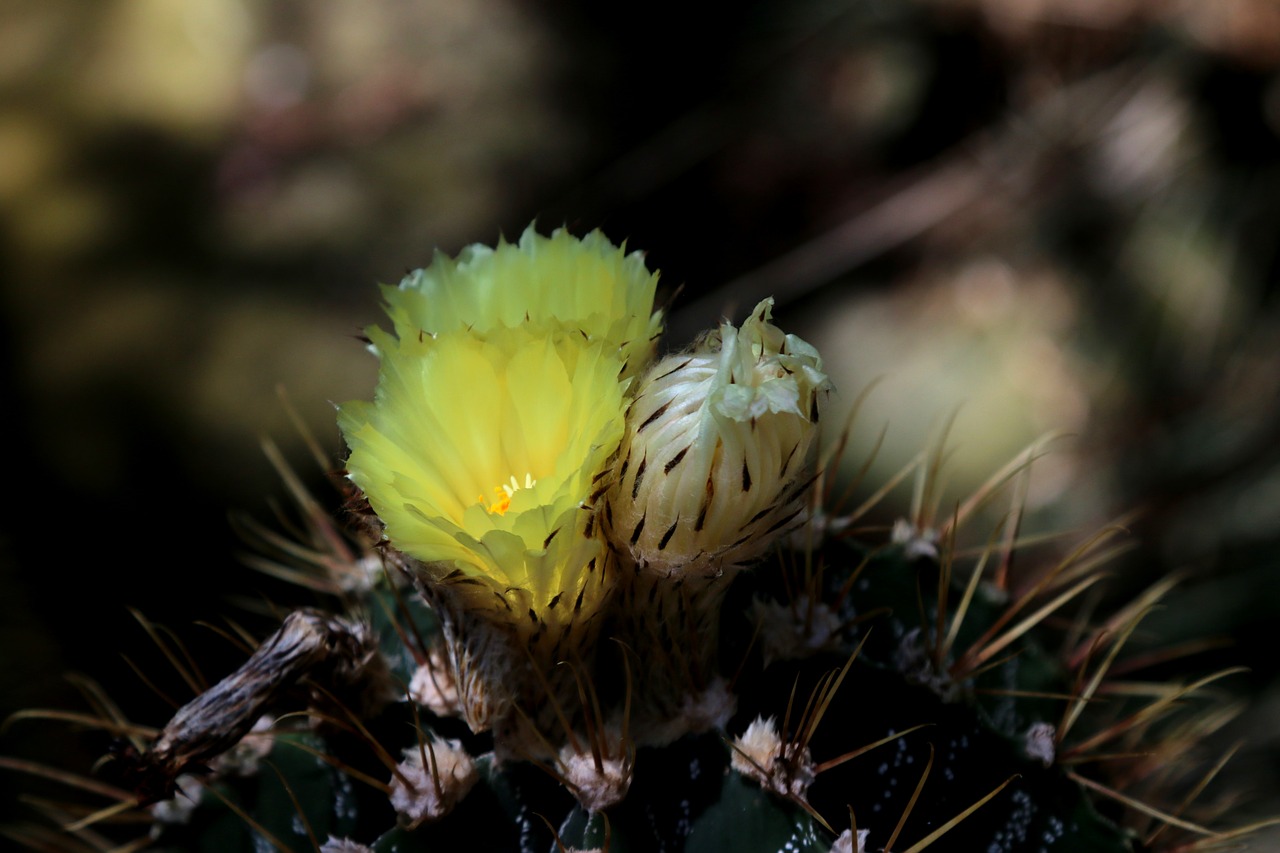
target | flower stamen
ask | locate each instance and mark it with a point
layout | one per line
(505, 493)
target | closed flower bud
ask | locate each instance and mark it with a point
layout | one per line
(717, 439)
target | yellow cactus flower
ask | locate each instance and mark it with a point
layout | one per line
(558, 283)
(499, 408)
(478, 455)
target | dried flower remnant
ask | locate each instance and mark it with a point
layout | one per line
(336, 651)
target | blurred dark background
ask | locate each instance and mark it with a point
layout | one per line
(1052, 214)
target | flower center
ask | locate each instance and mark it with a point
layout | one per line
(505, 492)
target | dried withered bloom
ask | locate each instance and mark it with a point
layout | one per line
(338, 652)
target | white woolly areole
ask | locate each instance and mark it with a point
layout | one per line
(756, 748)
(344, 845)
(710, 709)
(761, 754)
(597, 788)
(421, 800)
(915, 542)
(178, 809)
(244, 758)
(364, 574)
(433, 687)
(796, 630)
(844, 844)
(914, 659)
(1038, 743)
(699, 712)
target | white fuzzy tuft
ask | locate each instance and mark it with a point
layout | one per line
(597, 788)
(433, 687)
(344, 845)
(429, 796)
(704, 711)
(844, 844)
(761, 754)
(757, 748)
(795, 631)
(1039, 743)
(915, 542)
(178, 809)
